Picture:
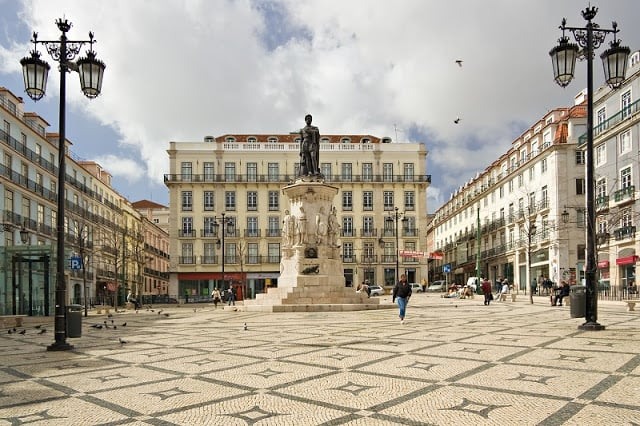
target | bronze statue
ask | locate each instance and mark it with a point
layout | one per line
(309, 149)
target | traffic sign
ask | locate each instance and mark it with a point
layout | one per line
(75, 262)
(446, 268)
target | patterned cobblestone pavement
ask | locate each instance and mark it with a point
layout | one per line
(453, 362)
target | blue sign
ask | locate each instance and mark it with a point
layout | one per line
(75, 262)
(446, 268)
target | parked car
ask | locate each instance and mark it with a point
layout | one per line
(376, 290)
(416, 287)
(437, 286)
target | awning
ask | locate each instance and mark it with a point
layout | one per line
(628, 260)
(603, 264)
(459, 271)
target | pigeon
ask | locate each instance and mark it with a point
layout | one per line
(23, 332)
(124, 324)
(9, 331)
(457, 120)
(111, 321)
(245, 327)
(109, 316)
(44, 330)
(14, 329)
(115, 326)
(152, 310)
(37, 326)
(166, 315)
(97, 326)
(122, 342)
(459, 62)
(160, 311)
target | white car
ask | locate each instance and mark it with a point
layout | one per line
(416, 287)
(376, 290)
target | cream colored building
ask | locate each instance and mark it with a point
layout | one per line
(517, 203)
(242, 176)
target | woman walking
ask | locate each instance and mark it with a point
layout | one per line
(402, 292)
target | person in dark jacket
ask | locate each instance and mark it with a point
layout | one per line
(486, 290)
(561, 293)
(402, 292)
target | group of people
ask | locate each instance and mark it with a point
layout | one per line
(229, 295)
(364, 287)
(502, 287)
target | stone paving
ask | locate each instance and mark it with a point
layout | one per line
(453, 362)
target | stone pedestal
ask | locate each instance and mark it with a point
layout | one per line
(311, 271)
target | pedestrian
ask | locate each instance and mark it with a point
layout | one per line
(231, 296)
(366, 288)
(215, 295)
(486, 290)
(402, 292)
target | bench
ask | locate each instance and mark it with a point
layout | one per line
(12, 320)
(631, 304)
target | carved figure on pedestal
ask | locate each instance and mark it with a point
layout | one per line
(309, 149)
(321, 227)
(288, 229)
(301, 225)
(333, 229)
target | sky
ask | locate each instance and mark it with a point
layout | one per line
(182, 70)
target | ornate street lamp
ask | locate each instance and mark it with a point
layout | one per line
(227, 226)
(391, 218)
(614, 60)
(35, 72)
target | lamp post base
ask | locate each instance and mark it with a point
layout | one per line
(591, 326)
(59, 346)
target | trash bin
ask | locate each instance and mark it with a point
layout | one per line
(578, 299)
(74, 320)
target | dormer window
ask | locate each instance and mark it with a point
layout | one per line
(230, 139)
(324, 140)
(365, 140)
(252, 139)
(345, 140)
(272, 139)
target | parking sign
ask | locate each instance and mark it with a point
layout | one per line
(75, 262)
(446, 268)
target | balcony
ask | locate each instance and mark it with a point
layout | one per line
(252, 233)
(273, 259)
(409, 232)
(602, 202)
(612, 122)
(186, 233)
(279, 179)
(274, 232)
(624, 194)
(253, 259)
(348, 258)
(368, 232)
(208, 260)
(187, 260)
(624, 233)
(388, 258)
(208, 233)
(347, 233)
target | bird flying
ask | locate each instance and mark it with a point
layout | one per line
(459, 62)
(457, 120)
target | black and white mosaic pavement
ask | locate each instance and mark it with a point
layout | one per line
(454, 362)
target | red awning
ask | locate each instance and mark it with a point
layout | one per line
(603, 264)
(627, 260)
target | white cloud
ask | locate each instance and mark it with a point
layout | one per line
(180, 70)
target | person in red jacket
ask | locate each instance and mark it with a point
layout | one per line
(486, 290)
(402, 292)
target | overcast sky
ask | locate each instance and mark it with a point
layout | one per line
(180, 70)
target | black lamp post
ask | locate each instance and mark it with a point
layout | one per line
(35, 72)
(390, 219)
(614, 59)
(227, 225)
(531, 232)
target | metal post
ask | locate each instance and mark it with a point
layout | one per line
(478, 236)
(591, 312)
(223, 228)
(60, 326)
(397, 249)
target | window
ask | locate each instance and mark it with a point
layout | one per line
(187, 253)
(625, 104)
(601, 116)
(209, 226)
(387, 172)
(325, 169)
(187, 201)
(367, 226)
(367, 200)
(252, 226)
(409, 200)
(625, 178)
(601, 188)
(544, 194)
(501, 190)
(229, 172)
(387, 197)
(209, 204)
(187, 226)
(367, 172)
(230, 253)
(580, 158)
(520, 180)
(626, 219)
(209, 253)
(408, 172)
(346, 172)
(511, 186)
(601, 155)
(347, 252)
(273, 252)
(208, 172)
(532, 173)
(230, 200)
(543, 166)
(274, 226)
(274, 200)
(347, 200)
(252, 253)
(252, 172)
(273, 172)
(252, 200)
(532, 201)
(625, 142)
(186, 171)
(580, 189)
(347, 226)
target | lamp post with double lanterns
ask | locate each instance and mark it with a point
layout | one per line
(35, 72)
(390, 219)
(227, 226)
(614, 59)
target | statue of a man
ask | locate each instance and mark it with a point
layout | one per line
(289, 228)
(309, 149)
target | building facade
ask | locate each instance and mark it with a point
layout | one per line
(240, 178)
(100, 226)
(523, 216)
(616, 170)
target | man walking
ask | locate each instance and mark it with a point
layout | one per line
(402, 292)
